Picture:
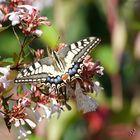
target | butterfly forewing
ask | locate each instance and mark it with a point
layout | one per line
(77, 51)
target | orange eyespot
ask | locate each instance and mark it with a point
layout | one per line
(65, 77)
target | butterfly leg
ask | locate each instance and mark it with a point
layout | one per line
(62, 91)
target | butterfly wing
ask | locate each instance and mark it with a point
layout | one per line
(38, 71)
(74, 54)
(77, 51)
(43, 70)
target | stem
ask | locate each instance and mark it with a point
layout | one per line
(23, 45)
(16, 36)
(21, 51)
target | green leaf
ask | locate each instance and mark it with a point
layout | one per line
(3, 64)
(1, 74)
(105, 56)
(5, 102)
(4, 28)
(20, 89)
(8, 90)
(8, 44)
(49, 36)
(6, 62)
(135, 25)
(8, 123)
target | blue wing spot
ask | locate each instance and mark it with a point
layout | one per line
(73, 70)
(56, 80)
(52, 80)
(76, 66)
(59, 79)
(70, 72)
(48, 79)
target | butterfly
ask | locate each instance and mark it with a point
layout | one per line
(63, 65)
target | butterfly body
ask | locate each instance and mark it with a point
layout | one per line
(61, 66)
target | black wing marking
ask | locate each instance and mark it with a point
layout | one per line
(38, 71)
(77, 51)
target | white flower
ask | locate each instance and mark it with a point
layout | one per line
(46, 110)
(23, 133)
(37, 115)
(84, 102)
(2, 1)
(40, 4)
(28, 7)
(18, 122)
(14, 18)
(100, 71)
(5, 72)
(97, 88)
(37, 32)
(51, 109)
(30, 123)
(55, 109)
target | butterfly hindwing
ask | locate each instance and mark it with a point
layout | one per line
(35, 72)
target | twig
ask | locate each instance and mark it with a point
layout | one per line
(16, 36)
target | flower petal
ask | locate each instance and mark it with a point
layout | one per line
(31, 123)
(84, 102)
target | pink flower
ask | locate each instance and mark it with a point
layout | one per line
(7, 7)
(91, 68)
(39, 53)
(28, 19)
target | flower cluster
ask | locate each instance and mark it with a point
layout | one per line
(25, 16)
(7, 6)
(43, 102)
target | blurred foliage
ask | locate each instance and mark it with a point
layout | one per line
(119, 53)
(50, 36)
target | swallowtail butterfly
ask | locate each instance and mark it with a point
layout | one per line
(60, 66)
